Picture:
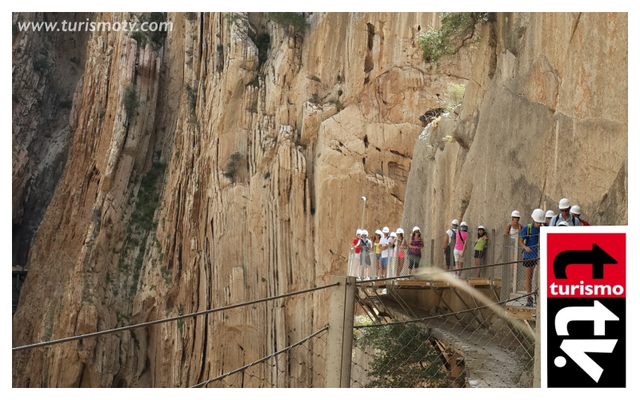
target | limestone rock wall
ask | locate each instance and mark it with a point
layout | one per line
(47, 70)
(237, 177)
(545, 116)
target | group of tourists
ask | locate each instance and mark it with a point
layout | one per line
(386, 244)
(372, 255)
(455, 244)
(528, 237)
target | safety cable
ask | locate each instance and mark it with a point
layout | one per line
(195, 314)
(262, 359)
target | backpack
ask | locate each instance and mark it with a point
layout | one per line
(452, 239)
(528, 233)
(573, 219)
(364, 247)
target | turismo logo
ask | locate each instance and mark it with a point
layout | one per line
(586, 306)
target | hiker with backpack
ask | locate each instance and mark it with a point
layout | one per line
(575, 212)
(480, 248)
(449, 243)
(529, 241)
(365, 254)
(460, 246)
(565, 215)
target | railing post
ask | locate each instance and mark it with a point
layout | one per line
(340, 335)
(432, 253)
(537, 365)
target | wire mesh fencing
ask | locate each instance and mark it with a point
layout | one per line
(476, 347)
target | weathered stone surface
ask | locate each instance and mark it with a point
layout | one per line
(227, 184)
(548, 125)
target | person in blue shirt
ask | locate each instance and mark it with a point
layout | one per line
(529, 241)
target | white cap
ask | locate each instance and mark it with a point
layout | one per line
(378, 232)
(365, 233)
(481, 227)
(515, 214)
(393, 234)
(564, 204)
(454, 223)
(563, 223)
(358, 232)
(576, 210)
(415, 228)
(549, 214)
(538, 215)
(400, 231)
(385, 229)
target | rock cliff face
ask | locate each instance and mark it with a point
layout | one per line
(47, 69)
(544, 117)
(208, 169)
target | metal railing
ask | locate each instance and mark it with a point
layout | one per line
(275, 359)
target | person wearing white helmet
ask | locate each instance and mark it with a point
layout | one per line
(401, 247)
(356, 246)
(480, 248)
(529, 241)
(376, 245)
(384, 246)
(575, 212)
(393, 240)
(460, 247)
(415, 249)
(565, 215)
(449, 243)
(513, 229)
(365, 254)
(547, 217)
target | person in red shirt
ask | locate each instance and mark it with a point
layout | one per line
(356, 245)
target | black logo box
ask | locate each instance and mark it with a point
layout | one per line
(613, 364)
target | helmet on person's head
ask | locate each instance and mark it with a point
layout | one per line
(563, 223)
(379, 232)
(393, 234)
(359, 232)
(481, 227)
(538, 215)
(385, 229)
(564, 204)
(463, 226)
(549, 214)
(400, 231)
(454, 223)
(365, 233)
(515, 214)
(415, 228)
(576, 210)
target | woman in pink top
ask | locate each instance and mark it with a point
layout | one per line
(461, 245)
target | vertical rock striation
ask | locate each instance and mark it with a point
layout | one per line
(544, 117)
